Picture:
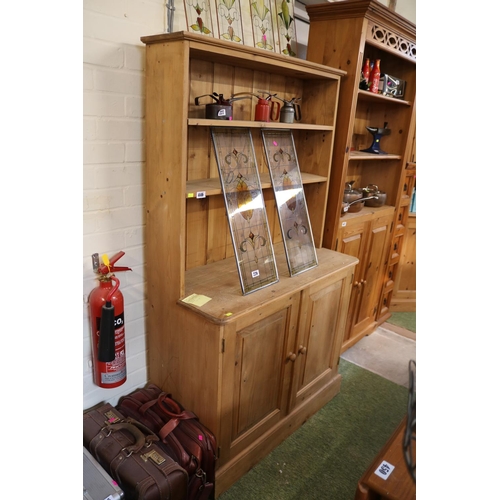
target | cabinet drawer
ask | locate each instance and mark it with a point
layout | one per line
(395, 249)
(401, 219)
(390, 276)
(408, 185)
(385, 303)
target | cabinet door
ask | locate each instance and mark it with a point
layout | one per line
(322, 321)
(405, 282)
(352, 242)
(373, 273)
(256, 375)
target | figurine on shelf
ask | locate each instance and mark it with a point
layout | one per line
(364, 83)
(375, 77)
(377, 133)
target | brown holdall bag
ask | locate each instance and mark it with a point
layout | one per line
(182, 435)
(129, 452)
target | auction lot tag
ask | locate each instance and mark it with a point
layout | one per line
(384, 470)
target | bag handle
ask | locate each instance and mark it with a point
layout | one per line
(146, 406)
(175, 418)
(164, 401)
(138, 432)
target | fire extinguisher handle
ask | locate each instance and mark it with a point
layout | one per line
(111, 268)
(116, 257)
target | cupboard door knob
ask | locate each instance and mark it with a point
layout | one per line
(302, 349)
(291, 356)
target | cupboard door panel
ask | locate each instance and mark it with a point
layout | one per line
(352, 242)
(260, 375)
(316, 364)
(372, 279)
(257, 381)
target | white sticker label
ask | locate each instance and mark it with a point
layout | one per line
(221, 112)
(344, 224)
(255, 273)
(384, 470)
(201, 194)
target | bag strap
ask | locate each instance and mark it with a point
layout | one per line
(146, 406)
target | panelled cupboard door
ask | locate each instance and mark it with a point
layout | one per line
(351, 241)
(372, 276)
(318, 344)
(256, 375)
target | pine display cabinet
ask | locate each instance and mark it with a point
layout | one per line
(253, 367)
(343, 35)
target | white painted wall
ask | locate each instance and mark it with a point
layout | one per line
(406, 8)
(113, 167)
(114, 163)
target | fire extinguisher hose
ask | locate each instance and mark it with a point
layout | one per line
(106, 347)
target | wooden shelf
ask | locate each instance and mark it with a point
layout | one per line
(244, 56)
(202, 122)
(366, 213)
(212, 186)
(364, 95)
(360, 155)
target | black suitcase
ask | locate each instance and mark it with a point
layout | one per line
(128, 452)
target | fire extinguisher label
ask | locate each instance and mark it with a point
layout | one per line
(115, 371)
(111, 378)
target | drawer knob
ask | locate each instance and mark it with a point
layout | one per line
(302, 349)
(291, 356)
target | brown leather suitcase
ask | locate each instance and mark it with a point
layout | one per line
(182, 436)
(129, 453)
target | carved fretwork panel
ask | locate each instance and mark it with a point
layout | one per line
(381, 35)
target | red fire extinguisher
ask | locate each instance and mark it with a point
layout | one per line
(108, 326)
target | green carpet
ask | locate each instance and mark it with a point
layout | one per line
(406, 320)
(324, 459)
